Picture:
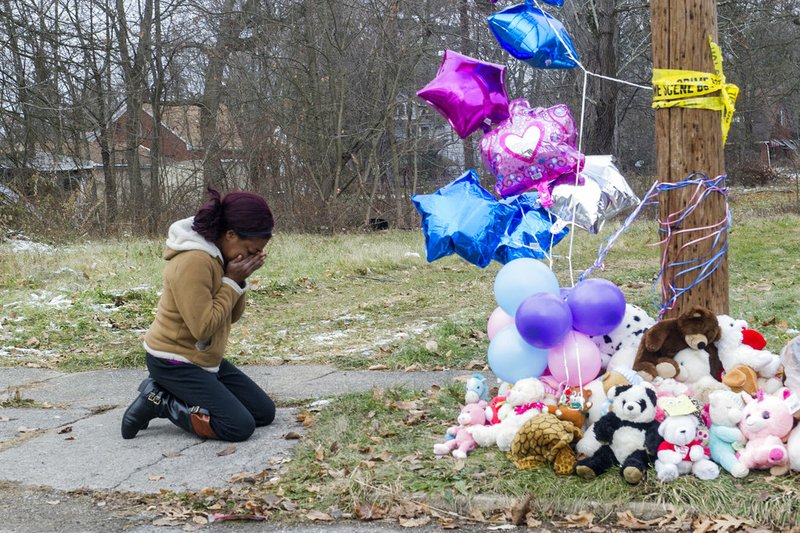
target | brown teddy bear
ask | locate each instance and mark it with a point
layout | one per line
(697, 328)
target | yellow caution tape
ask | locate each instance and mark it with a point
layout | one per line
(690, 88)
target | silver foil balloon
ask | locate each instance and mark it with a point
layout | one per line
(604, 194)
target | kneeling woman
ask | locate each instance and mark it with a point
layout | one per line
(209, 258)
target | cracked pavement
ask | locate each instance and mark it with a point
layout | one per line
(70, 438)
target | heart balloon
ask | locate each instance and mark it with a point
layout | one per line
(533, 148)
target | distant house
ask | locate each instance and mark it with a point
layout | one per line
(778, 138)
(180, 145)
(67, 172)
(438, 145)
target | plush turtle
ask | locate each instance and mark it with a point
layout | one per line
(545, 439)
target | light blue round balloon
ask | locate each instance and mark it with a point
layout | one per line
(512, 359)
(521, 278)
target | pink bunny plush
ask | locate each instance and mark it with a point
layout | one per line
(460, 442)
(766, 422)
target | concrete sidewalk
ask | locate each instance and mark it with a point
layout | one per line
(77, 444)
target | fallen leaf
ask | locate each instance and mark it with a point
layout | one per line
(378, 367)
(289, 505)
(414, 522)
(406, 405)
(67, 429)
(582, 519)
(319, 453)
(702, 524)
(448, 523)
(217, 517)
(71, 437)
(431, 346)
(171, 454)
(519, 511)
(533, 523)
(293, 435)
(155, 478)
(167, 522)
(337, 474)
(53, 502)
(385, 457)
(731, 523)
(319, 515)
(365, 511)
(626, 519)
(227, 451)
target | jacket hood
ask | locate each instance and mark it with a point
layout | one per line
(182, 237)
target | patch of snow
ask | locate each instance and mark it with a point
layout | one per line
(327, 338)
(30, 246)
(25, 352)
(58, 301)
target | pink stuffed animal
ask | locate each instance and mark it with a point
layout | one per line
(462, 441)
(766, 422)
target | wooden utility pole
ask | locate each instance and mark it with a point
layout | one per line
(688, 141)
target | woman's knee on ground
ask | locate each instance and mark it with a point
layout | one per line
(266, 413)
(234, 429)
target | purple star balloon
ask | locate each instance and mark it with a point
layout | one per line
(469, 93)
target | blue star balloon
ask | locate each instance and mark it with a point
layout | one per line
(464, 218)
(531, 35)
(529, 232)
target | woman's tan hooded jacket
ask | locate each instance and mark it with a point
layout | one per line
(198, 303)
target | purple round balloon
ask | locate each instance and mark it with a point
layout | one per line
(597, 305)
(543, 320)
(469, 93)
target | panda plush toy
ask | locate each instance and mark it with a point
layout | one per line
(627, 434)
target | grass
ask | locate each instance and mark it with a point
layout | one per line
(359, 300)
(374, 451)
(371, 300)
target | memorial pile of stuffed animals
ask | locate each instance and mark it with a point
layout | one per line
(694, 395)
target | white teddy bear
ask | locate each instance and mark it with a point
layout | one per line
(524, 400)
(682, 452)
(695, 373)
(618, 348)
(733, 352)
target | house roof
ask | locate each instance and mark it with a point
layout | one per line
(48, 162)
(184, 121)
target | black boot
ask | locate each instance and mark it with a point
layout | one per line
(144, 408)
(193, 419)
(155, 402)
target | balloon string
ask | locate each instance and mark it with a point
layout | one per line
(578, 62)
(608, 243)
(670, 226)
(577, 182)
(700, 267)
(586, 74)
